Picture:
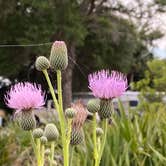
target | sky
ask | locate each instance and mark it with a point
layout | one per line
(158, 21)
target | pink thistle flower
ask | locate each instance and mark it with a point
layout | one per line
(58, 43)
(80, 117)
(107, 86)
(25, 96)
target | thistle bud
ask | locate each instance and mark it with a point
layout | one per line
(58, 56)
(70, 113)
(105, 108)
(93, 105)
(54, 163)
(37, 133)
(99, 132)
(27, 120)
(51, 132)
(76, 137)
(43, 140)
(42, 63)
(47, 152)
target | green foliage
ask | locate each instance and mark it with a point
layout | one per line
(133, 139)
(99, 35)
(27, 22)
(153, 85)
(106, 35)
(161, 2)
(158, 74)
(13, 141)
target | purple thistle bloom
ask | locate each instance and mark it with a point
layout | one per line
(107, 86)
(25, 96)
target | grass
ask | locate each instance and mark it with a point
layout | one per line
(136, 138)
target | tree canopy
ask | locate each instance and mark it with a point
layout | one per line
(97, 32)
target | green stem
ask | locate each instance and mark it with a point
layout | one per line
(69, 131)
(42, 154)
(98, 144)
(105, 121)
(35, 148)
(33, 143)
(38, 151)
(52, 153)
(71, 155)
(98, 149)
(62, 120)
(94, 139)
(59, 108)
(51, 90)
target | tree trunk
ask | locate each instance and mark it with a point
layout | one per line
(67, 77)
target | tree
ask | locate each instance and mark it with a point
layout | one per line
(153, 84)
(92, 30)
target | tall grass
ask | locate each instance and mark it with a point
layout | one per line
(135, 138)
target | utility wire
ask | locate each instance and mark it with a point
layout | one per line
(43, 44)
(25, 45)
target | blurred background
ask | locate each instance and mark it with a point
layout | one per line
(124, 35)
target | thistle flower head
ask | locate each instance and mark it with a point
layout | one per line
(70, 113)
(76, 137)
(51, 132)
(80, 116)
(27, 120)
(107, 86)
(43, 140)
(47, 152)
(25, 96)
(42, 63)
(58, 56)
(59, 44)
(93, 105)
(99, 131)
(37, 133)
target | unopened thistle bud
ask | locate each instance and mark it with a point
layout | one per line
(93, 105)
(42, 63)
(43, 140)
(58, 56)
(70, 113)
(37, 133)
(27, 120)
(54, 163)
(51, 132)
(76, 137)
(105, 108)
(47, 152)
(99, 132)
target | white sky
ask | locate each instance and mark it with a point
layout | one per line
(158, 21)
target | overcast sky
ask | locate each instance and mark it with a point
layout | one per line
(158, 21)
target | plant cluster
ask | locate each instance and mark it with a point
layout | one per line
(24, 97)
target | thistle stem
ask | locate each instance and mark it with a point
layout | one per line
(33, 143)
(71, 155)
(98, 144)
(34, 148)
(51, 89)
(62, 120)
(103, 141)
(42, 154)
(38, 151)
(94, 140)
(69, 131)
(52, 153)
(59, 108)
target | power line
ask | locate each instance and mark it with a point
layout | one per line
(25, 45)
